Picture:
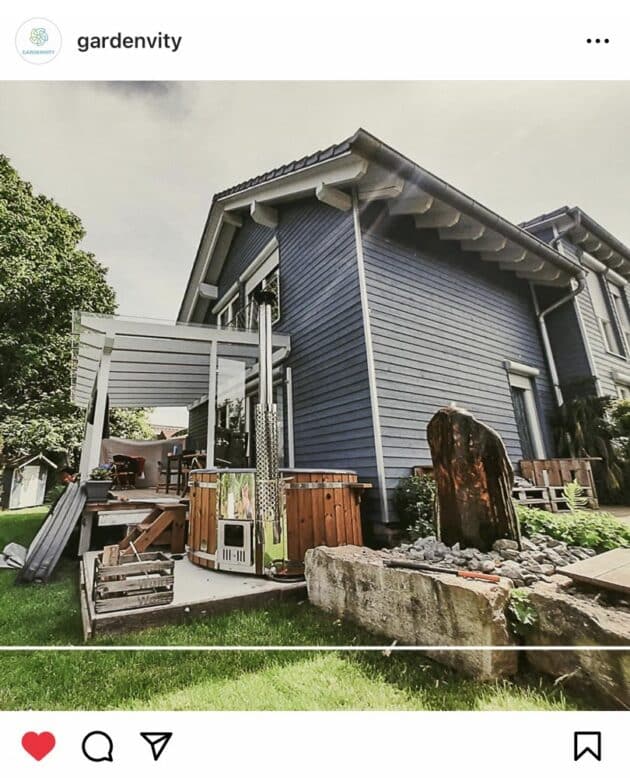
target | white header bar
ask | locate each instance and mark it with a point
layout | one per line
(335, 40)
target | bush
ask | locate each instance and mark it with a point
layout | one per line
(590, 529)
(414, 501)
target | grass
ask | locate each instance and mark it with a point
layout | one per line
(224, 680)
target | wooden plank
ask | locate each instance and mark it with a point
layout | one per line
(304, 512)
(117, 518)
(178, 533)
(330, 525)
(339, 512)
(86, 621)
(357, 529)
(135, 601)
(134, 568)
(317, 511)
(293, 526)
(158, 526)
(610, 570)
(111, 555)
(148, 582)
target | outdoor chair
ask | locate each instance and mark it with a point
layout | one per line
(124, 471)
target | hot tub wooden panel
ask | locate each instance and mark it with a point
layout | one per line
(323, 509)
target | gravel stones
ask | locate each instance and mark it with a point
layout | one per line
(539, 557)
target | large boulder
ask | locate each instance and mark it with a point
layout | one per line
(565, 618)
(416, 608)
(474, 479)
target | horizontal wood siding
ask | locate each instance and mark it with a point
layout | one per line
(567, 345)
(605, 362)
(443, 323)
(249, 241)
(321, 310)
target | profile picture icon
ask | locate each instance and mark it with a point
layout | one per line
(38, 36)
(38, 41)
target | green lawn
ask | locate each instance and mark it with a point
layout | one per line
(225, 680)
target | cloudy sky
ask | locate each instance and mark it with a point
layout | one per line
(138, 163)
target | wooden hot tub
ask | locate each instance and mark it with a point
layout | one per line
(322, 509)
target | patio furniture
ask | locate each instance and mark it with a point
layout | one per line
(125, 471)
(554, 474)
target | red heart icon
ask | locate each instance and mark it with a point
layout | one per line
(38, 745)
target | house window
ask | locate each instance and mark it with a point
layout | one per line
(522, 387)
(621, 309)
(226, 317)
(623, 391)
(270, 283)
(602, 312)
(264, 273)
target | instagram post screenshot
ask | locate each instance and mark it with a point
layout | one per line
(314, 388)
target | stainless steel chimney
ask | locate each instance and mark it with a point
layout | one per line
(269, 502)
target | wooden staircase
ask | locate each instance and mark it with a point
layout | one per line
(164, 526)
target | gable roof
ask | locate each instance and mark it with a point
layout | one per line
(372, 170)
(586, 234)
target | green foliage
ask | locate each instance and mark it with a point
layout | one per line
(414, 501)
(227, 680)
(584, 427)
(590, 529)
(573, 493)
(44, 277)
(55, 492)
(130, 423)
(620, 415)
(521, 612)
(101, 473)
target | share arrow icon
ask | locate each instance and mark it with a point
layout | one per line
(158, 742)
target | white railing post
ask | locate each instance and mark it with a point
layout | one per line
(212, 403)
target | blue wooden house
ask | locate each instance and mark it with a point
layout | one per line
(590, 336)
(400, 294)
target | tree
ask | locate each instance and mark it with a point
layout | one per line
(130, 423)
(44, 277)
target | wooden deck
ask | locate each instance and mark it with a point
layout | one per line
(141, 495)
(198, 593)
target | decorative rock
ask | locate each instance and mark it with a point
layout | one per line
(510, 570)
(567, 620)
(474, 480)
(537, 561)
(416, 608)
(503, 544)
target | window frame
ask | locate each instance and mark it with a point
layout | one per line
(620, 309)
(600, 295)
(524, 377)
(228, 308)
(260, 278)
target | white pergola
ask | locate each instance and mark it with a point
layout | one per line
(148, 363)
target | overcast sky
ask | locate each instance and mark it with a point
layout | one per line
(139, 163)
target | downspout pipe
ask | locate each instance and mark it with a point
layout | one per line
(541, 315)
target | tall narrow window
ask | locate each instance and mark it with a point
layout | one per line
(522, 422)
(621, 309)
(522, 387)
(602, 312)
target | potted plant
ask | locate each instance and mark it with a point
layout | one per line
(99, 483)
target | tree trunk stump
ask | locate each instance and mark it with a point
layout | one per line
(474, 480)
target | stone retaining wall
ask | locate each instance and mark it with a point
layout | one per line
(436, 609)
(431, 609)
(565, 619)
